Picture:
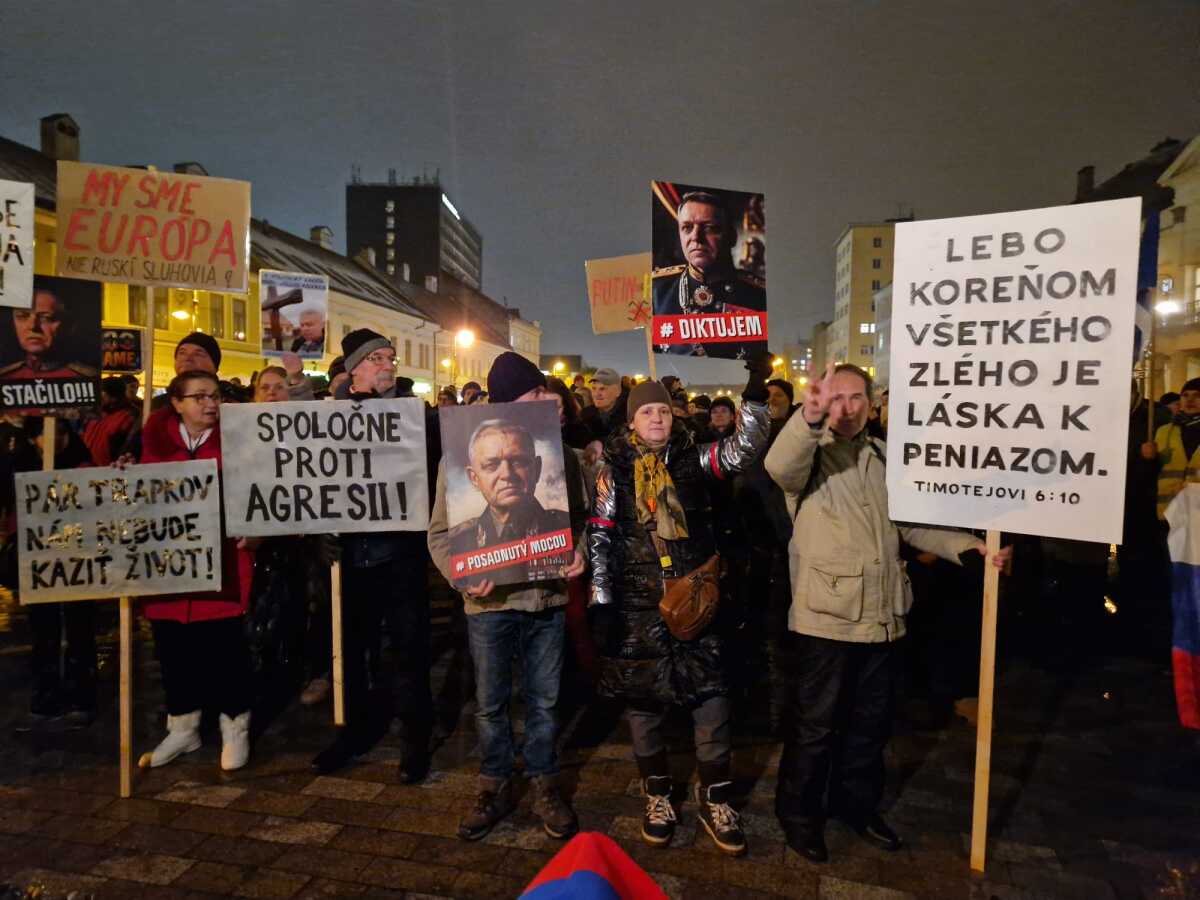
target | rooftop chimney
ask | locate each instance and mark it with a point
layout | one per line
(323, 236)
(60, 137)
(1085, 182)
(190, 168)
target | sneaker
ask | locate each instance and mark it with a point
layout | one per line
(658, 824)
(558, 819)
(493, 802)
(720, 819)
(315, 691)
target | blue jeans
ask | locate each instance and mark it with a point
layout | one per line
(495, 638)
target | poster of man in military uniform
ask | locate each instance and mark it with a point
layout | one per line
(506, 492)
(709, 279)
(50, 352)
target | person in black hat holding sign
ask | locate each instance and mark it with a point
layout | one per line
(384, 578)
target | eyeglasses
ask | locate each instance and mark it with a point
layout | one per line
(203, 398)
(378, 359)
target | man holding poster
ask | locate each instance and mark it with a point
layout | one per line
(850, 601)
(515, 587)
(703, 304)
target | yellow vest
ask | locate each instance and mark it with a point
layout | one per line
(1175, 469)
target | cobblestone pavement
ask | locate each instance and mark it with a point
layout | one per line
(1095, 794)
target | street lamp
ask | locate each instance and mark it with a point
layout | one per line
(559, 366)
(465, 338)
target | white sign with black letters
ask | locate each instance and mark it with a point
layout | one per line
(95, 533)
(1010, 370)
(16, 244)
(341, 466)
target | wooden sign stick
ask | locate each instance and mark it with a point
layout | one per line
(125, 689)
(983, 728)
(650, 354)
(337, 671)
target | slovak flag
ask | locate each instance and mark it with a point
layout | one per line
(592, 867)
(1183, 515)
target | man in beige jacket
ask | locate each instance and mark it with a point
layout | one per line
(850, 600)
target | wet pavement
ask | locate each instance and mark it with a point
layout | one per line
(1095, 794)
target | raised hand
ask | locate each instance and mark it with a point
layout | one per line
(818, 398)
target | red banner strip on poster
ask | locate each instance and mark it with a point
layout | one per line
(499, 556)
(718, 328)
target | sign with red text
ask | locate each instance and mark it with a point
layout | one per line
(121, 349)
(619, 292)
(709, 284)
(16, 243)
(1010, 372)
(165, 229)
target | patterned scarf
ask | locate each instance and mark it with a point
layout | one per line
(655, 493)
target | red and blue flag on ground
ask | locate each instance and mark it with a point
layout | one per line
(592, 867)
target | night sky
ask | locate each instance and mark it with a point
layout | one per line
(548, 120)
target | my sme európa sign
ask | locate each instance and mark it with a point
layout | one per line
(1010, 370)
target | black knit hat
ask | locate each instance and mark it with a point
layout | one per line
(336, 368)
(206, 343)
(511, 376)
(359, 344)
(785, 386)
(1193, 385)
(727, 402)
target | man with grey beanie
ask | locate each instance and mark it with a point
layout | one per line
(384, 579)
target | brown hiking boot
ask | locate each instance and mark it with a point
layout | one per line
(558, 819)
(493, 803)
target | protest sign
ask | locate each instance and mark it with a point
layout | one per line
(1009, 389)
(50, 354)
(121, 349)
(294, 309)
(709, 280)
(310, 468)
(91, 533)
(506, 492)
(16, 243)
(619, 292)
(166, 229)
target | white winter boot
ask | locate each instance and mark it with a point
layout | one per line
(235, 741)
(183, 736)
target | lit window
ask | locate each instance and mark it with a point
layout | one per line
(391, 221)
(864, 327)
(391, 268)
(239, 319)
(391, 239)
(390, 206)
(137, 304)
(407, 352)
(391, 252)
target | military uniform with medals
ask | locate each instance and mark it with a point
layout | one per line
(530, 521)
(36, 367)
(683, 290)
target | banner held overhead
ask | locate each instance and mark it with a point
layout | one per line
(165, 229)
(16, 243)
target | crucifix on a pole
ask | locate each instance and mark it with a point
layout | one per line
(274, 302)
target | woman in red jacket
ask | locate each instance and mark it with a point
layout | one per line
(199, 637)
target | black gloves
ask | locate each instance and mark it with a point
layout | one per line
(759, 367)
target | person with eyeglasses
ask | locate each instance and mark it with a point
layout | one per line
(384, 580)
(199, 637)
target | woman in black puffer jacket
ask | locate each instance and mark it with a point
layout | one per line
(654, 483)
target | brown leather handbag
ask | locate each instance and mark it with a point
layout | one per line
(689, 604)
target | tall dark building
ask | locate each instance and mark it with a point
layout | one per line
(415, 231)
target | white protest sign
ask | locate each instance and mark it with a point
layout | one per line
(1010, 372)
(16, 244)
(91, 533)
(308, 468)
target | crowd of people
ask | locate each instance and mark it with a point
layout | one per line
(728, 555)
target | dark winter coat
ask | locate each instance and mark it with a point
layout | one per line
(642, 661)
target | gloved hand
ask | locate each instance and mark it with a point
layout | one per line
(759, 367)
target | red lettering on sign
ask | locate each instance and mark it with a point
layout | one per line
(143, 229)
(113, 244)
(198, 234)
(75, 227)
(186, 206)
(224, 245)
